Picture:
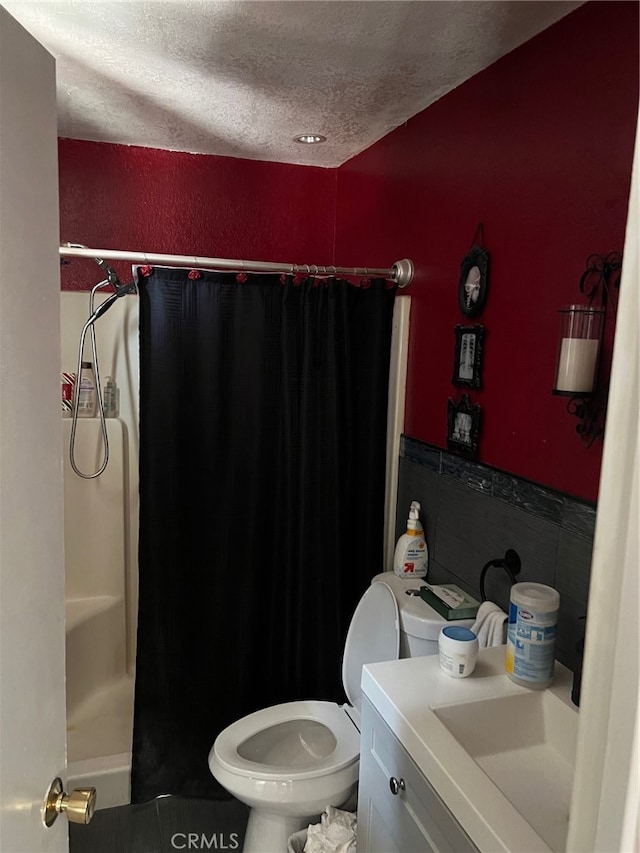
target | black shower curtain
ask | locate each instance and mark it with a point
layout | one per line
(263, 405)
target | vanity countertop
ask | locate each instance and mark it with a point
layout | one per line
(408, 693)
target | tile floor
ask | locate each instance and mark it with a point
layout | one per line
(164, 825)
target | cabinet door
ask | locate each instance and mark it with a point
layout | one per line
(414, 820)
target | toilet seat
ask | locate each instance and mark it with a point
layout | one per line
(373, 636)
(329, 714)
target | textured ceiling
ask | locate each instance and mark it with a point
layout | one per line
(242, 78)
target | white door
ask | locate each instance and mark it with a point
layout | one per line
(32, 653)
(605, 810)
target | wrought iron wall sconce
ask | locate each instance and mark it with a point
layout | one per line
(579, 345)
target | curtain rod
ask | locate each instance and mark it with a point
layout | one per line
(401, 272)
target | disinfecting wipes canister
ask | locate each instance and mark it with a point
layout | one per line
(531, 635)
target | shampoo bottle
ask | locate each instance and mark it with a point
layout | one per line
(411, 555)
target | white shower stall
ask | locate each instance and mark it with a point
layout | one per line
(100, 537)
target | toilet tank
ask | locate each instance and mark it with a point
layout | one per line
(420, 624)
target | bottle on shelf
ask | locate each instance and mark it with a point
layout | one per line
(110, 398)
(411, 556)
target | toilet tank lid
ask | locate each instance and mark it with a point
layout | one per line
(373, 636)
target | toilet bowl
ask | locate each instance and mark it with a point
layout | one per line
(290, 761)
(294, 758)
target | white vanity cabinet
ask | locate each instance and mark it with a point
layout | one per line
(398, 809)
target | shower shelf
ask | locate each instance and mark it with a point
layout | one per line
(79, 610)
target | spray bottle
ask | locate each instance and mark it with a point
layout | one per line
(411, 556)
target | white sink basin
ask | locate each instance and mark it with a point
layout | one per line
(526, 744)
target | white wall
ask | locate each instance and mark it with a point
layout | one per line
(117, 341)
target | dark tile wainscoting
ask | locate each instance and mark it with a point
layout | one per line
(473, 513)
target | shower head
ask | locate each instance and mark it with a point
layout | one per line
(120, 290)
(109, 271)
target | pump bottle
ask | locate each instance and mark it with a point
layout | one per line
(411, 556)
(110, 398)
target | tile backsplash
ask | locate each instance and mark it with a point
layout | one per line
(473, 513)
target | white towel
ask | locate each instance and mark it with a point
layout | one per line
(490, 626)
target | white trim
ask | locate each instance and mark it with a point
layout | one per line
(606, 795)
(395, 419)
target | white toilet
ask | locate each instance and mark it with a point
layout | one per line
(290, 761)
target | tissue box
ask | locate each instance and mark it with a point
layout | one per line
(467, 609)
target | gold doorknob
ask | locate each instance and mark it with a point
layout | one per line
(79, 805)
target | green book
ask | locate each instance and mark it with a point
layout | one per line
(450, 601)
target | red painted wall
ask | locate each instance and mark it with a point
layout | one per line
(144, 199)
(538, 147)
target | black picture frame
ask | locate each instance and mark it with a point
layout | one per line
(463, 427)
(467, 360)
(473, 284)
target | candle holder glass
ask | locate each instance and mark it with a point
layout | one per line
(578, 350)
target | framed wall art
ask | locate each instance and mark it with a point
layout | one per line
(463, 427)
(474, 281)
(467, 362)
